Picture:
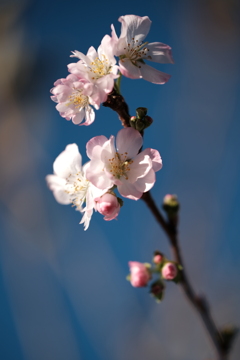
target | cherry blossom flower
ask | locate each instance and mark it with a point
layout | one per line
(98, 67)
(139, 274)
(132, 172)
(108, 206)
(73, 96)
(133, 51)
(69, 184)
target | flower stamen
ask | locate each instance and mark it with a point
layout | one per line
(120, 165)
(78, 99)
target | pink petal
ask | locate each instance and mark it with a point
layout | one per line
(155, 157)
(120, 47)
(97, 175)
(96, 141)
(140, 166)
(106, 83)
(78, 118)
(146, 183)
(129, 70)
(81, 56)
(106, 49)
(154, 76)
(128, 190)
(92, 53)
(78, 69)
(108, 151)
(159, 52)
(128, 141)
(136, 27)
(90, 117)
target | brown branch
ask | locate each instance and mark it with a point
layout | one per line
(117, 103)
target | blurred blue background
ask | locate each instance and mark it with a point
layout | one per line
(63, 293)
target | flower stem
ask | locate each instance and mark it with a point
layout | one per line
(117, 85)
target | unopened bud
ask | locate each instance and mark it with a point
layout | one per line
(171, 205)
(158, 257)
(171, 201)
(108, 205)
(157, 290)
(141, 112)
(169, 271)
(148, 121)
(139, 274)
(141, 121)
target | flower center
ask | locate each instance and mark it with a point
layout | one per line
(99, 67)
(78, 99)
(77, 187)
(136, 51)
(119, 167)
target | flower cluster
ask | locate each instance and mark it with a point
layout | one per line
(123, 166)
(114, 164)
(92, 77)
(141, 274)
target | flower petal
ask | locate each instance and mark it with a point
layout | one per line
(139, 167)
(90, 116)
(68, 162)
(97, 176)
(108, 150)
(159, 52)
(155, 157)
(78, 118)
(81, 56)
(86, 218)
(136, 27)
(145, 183)
(128, 142)
(129, 190)
(92, 53)
(153, 75)
(57, 185)
(129, 70)
(106, 49)
(96, 141)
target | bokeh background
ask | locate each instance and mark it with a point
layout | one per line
(63, 292)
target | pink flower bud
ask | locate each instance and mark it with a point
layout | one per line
(140, 275)
(157, 258)
(169, 271)
(108, 206)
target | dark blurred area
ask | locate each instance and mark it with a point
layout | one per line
(64, 293)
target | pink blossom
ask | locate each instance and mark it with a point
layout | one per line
(73, 96)
(132, 172)
(139, 274)
(97, 67)
(169, 271)
(108, 206)
(133, 52)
